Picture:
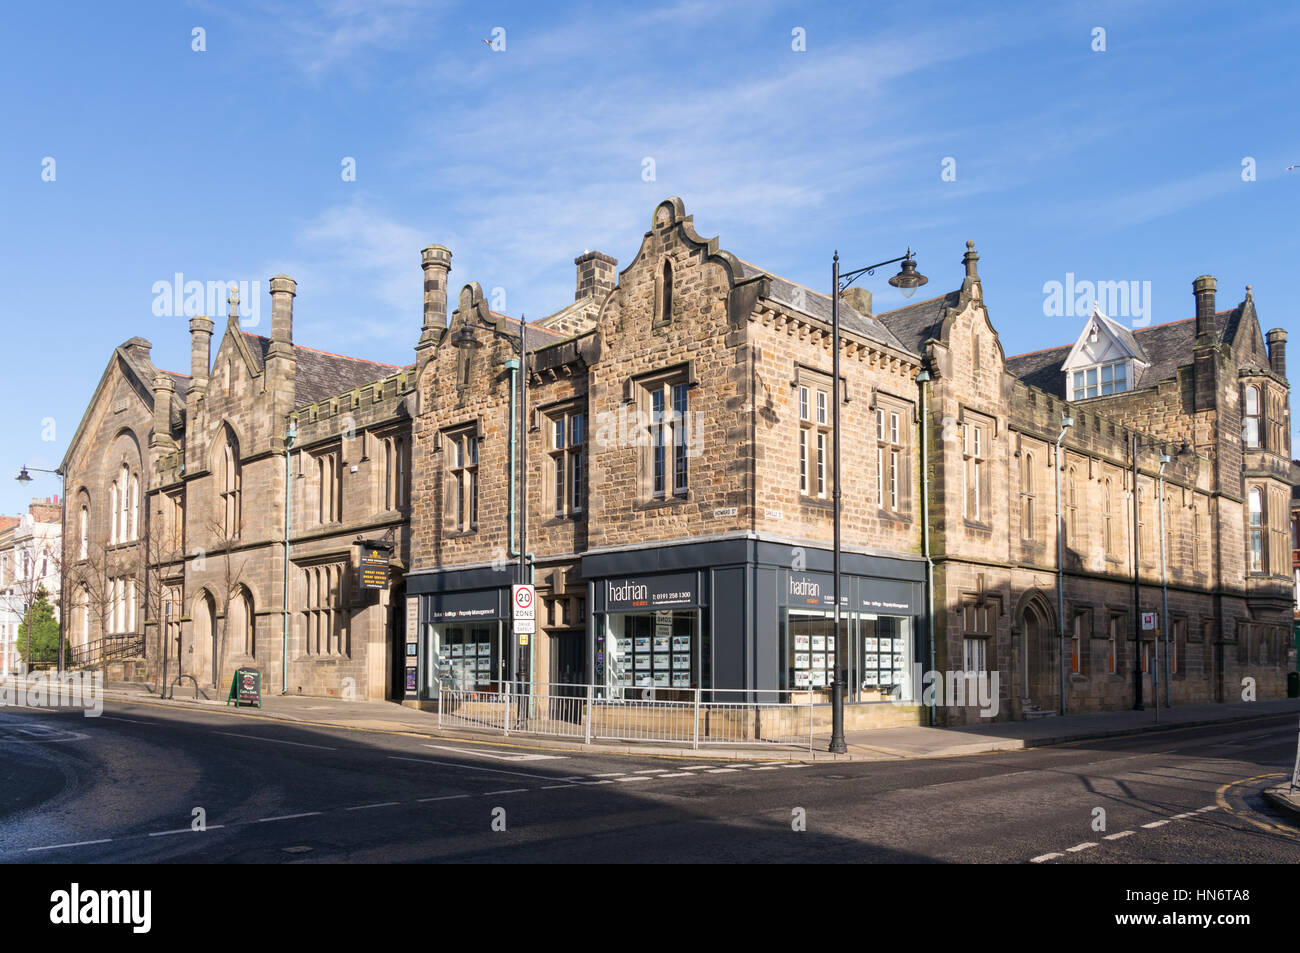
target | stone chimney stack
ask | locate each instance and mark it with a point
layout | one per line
(200, 356)
(436, 262)
(859, 299)
(1207, 331)
(164, 390)
(1277, 351)
(597, 275)
(283, 290)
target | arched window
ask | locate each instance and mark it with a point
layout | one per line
(1256, 530)
(135, 507)
(112, 514)
(124, 500)
(83, 531)
(665, 294)
(1250, 419)
(231, 479)
(243, 629)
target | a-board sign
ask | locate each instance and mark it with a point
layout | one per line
(245, 688)
(374, 567)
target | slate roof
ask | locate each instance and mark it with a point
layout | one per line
(1167, 347)
(818, 305)
(321, 374)
(914, 324)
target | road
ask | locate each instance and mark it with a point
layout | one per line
(132, 785)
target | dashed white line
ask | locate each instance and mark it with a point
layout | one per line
(1078, 847)
(721, 770)
(188, 830)
(366, 807)
(1045, 857)
(635, 777)
(608, 774)
(296, 744)
(80, 843)
(1119, 835)
(679, 774)
(1208, 807)
(444, 797)
(1156, 824)
(287, 817)
(507, 791)
(552, 787)
(651, 771)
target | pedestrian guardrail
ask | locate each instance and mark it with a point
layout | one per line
(694, 717)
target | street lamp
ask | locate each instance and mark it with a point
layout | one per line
(907, 281)
(1066, 424)
(466, 340)
(24, 478)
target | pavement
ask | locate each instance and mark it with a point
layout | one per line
(880, 744)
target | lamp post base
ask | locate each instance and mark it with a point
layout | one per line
(837, 745)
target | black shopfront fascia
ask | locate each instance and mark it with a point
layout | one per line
(742, 589)
(463, 595)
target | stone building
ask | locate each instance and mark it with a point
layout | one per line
(676, 422)
(30, 557)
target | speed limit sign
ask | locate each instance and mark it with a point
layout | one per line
(522, 600)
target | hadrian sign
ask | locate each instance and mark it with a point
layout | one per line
(644, 593)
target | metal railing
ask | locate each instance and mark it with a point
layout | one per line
(683, 716)
(103, 650)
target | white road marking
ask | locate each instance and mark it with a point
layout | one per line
(1043, 857)
(506, 791)
(80, 843)
(1179, 817)
(774, 767)
(1208, 807)
(445, 797)
(131, 720)
(475, 767)
(651, 771)
(720, 770)
(608, 774)
(1156, 824)
(1119, 835)
(1078, 847)
(296, 744)
(635, 777)
(287, 817)
(552, 787)
(187, 830)
(679, 774)
(501, 757)
(366, 807)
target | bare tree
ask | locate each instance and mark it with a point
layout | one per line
(91, 580)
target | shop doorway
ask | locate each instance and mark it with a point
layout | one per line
(397, 644)
(569, 662)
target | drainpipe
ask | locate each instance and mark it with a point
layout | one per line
(290, 435)
(1066, 424)
(1164, 585)
(923, 379)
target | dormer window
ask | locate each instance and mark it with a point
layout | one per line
(1101, 380)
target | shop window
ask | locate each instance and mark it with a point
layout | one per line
(658, 650)
(466, 655)
(567, 460)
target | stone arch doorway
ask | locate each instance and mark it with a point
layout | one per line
(1038, 654)
(202, 650)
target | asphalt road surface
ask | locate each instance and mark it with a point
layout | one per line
(133, 785)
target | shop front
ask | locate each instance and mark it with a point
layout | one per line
(874, 647)
(651, 636)
(464, 634)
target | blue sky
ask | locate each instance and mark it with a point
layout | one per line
(1118, 165)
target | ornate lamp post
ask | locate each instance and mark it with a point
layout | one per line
(907, 281)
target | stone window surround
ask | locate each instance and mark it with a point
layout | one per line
(907, 411)
(636, 391)
(446, 441)
(813, 485)
(968, 417)
(548, 416)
